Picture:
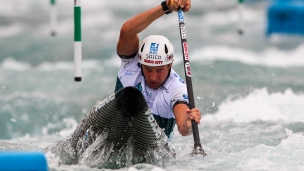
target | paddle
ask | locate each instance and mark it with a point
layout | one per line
(198, 149)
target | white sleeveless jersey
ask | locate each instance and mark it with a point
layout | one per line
(160, 101)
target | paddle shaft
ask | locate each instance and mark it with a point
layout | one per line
(182, 28)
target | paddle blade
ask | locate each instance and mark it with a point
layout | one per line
(198, 150)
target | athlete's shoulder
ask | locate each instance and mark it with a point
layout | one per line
(130, 63)
(176, 78)
(127, 56)
(174, 81)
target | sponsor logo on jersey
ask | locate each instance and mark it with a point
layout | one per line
(173, 101)
(126, 64)
(164, 89)
(147, 94)
(139, 87)
(185, 98)
(129, 73)
(181, 80)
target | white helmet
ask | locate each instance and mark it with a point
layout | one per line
(155, 50)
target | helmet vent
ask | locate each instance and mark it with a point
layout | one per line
(166, 49)
(142, 48)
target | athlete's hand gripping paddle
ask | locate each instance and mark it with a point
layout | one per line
(198, 149)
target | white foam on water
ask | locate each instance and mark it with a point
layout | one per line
(288, 155)
(261, 105)
(10, 31)
(271, 56)
(12, 64)
(228, 17)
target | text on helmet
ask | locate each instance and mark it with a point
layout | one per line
(149, 56)
(152, 62)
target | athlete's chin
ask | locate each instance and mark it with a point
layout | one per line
(154, 85)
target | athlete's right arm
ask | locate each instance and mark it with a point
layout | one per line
(128, 41)
(183, 116)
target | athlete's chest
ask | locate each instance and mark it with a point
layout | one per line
(148, 93)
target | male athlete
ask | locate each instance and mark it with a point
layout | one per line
(148, 67)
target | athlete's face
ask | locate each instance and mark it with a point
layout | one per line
(156, 76)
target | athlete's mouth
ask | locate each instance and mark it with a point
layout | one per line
(153, 84)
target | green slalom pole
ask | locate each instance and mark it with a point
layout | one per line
(53, 18)
(240, 13)
(77, 40)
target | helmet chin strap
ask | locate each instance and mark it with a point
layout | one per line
(169, 73)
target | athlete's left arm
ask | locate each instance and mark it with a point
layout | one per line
(183, 116)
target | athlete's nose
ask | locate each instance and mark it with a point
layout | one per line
(153, 76)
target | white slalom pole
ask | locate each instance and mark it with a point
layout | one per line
(240, 24)
(77, 40)
(53, 17)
